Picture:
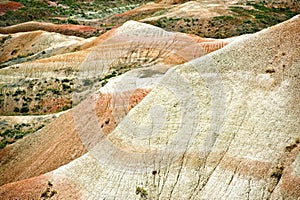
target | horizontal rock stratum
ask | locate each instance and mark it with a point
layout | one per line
(222, 126)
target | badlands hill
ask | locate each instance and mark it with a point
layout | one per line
(141, 52)
(221, 126)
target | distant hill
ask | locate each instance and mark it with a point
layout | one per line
(215, 19)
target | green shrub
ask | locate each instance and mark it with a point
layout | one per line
(72, 21)
(65, 80)
(65, 86)
(3, 143)
(65, 107)
(142, 192)
(24, 109)
(19, 92)
(54, 91)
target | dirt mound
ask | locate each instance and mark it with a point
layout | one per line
(28, 53)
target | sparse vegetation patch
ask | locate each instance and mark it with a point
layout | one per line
(248, 18)
(63, 11)
(10, 134)
(36, 96)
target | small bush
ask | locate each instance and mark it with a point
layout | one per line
(3, 143)
(65, 86)
(48, 193)
(54, 91)
(72, 21)
(65, 107)
(24, 109)
(141, 191)
(65, 80)
(19, 92)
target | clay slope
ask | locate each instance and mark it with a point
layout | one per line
(224, 126)
(130, 61)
